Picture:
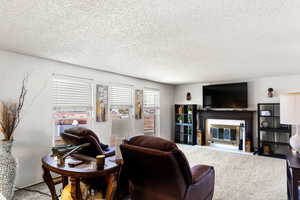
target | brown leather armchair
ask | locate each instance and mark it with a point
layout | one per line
(80, 135)
(158, 170)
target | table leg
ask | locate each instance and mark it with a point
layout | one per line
(48, 180)
(64, 181)
(111, 186)
(75, 188)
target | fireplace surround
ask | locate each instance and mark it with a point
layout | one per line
(223, 119)
(230, 133)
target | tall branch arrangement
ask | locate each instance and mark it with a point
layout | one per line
(10, 113)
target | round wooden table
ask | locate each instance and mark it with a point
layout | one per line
(83, 171)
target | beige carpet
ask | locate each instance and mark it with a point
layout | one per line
(241, 176)
(238, 176)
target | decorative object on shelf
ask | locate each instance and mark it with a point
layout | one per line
(10, 116)
(101, 103)
(180, 118)
(199, 137)
(180, 110)
(290, 114)
(188, 96)
(138, 104)
(265, 124)
(266, 149)
(248, 145)
(266, 113)
(270, 92)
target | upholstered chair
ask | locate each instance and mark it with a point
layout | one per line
(157, 170)
(80, 135)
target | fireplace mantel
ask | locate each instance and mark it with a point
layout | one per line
(245, 115)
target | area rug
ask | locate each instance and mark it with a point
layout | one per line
(238, 176)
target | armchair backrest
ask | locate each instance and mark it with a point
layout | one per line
(155, 168)
(79, 135)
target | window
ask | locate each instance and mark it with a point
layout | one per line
(151, 112)
(120, 102)
(72, 104)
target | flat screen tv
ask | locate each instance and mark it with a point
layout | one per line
(233, 95)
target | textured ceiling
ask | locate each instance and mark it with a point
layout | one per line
(178, 41)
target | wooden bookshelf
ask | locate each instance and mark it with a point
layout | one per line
(186, 124)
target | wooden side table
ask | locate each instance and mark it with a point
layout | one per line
(293, 175)
(87, 170)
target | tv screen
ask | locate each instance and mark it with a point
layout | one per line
(234, 95)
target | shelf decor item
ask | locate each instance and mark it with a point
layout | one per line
(266, 113)
(290, 114)
(10, 116)
(266, 149)
(264, 124)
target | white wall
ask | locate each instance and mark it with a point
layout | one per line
(33, 138)
(257, 91)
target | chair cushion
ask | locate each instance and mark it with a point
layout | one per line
(152, 142)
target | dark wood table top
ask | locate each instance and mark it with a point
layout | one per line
(85, 170)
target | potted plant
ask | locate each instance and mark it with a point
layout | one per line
(180, 118)
(9, 120)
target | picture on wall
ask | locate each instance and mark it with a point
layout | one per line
(101, 103)
(138, 104)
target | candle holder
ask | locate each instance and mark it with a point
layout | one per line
(100, 161)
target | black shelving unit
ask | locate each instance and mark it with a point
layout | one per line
(273, 137)
(186, 124)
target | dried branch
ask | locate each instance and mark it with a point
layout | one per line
(10, 114)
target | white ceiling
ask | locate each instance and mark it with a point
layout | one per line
(177, 41)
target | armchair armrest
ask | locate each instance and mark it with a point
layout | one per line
(203, 181)
(200, 171)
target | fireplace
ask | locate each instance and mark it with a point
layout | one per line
(230, 128)
(226, 132)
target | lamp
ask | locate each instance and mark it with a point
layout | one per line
(121, 129)
(290, 114)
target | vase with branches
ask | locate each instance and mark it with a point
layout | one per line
(11, 114)
(10, 117)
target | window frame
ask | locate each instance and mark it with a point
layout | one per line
(88, 109)
(130, 107)
(156, 108)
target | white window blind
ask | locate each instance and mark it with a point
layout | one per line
(151, 98)
(121, 96)
(71, 92)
